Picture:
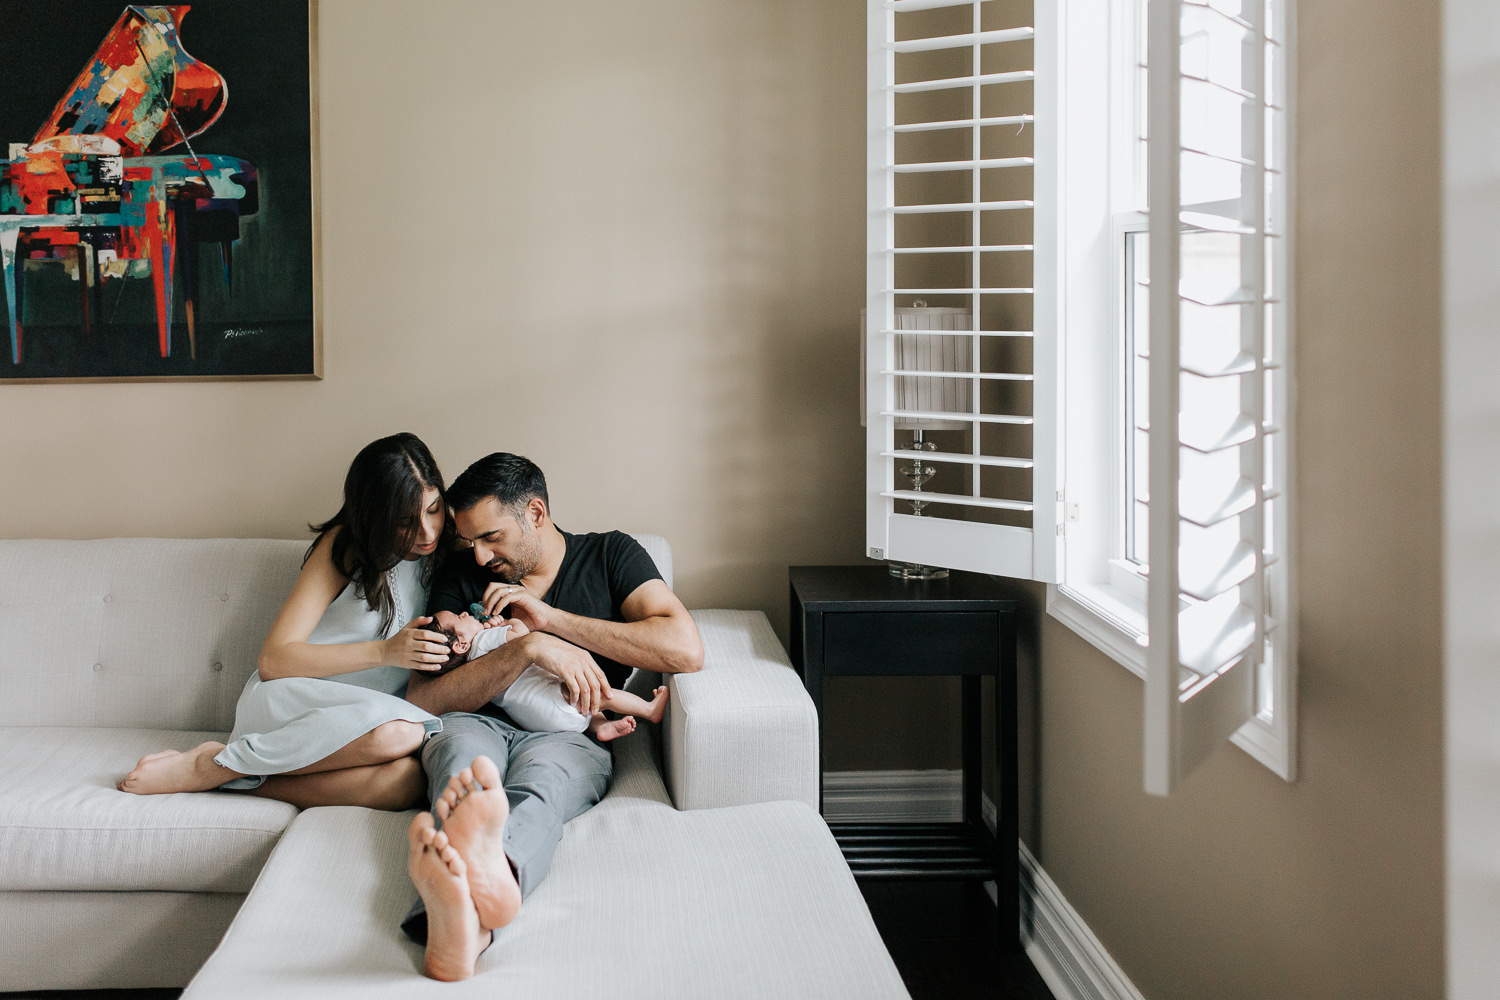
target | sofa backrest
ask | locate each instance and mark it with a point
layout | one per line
(135, 632)
(144, 632)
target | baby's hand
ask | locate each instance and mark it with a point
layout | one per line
(516, 628)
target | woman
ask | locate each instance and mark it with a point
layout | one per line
(322, 722)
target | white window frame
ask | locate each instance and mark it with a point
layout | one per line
(1087, 182)
(1099, 597)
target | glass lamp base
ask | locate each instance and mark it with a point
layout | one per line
(916, 571)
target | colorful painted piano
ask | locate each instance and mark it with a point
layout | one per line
(93, 191)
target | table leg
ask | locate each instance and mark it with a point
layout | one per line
(1007, 789)
(973, 755)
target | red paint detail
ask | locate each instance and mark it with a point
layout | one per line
(157, 236)
(38, 179)
(197, 97)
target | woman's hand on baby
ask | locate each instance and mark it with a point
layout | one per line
(415, 647)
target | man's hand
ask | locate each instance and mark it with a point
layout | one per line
(586, 685)
(524, 606)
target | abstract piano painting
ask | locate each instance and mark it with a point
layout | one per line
(157, 191)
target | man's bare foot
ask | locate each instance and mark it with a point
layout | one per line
(658, 704)
(473, 809)
(605, 730)
(172, 771)
(454, 937)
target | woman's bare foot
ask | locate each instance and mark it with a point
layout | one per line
(170, 771)
(605, 730)
(454, 938)
(473, 809)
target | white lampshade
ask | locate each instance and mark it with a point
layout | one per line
(926, 352)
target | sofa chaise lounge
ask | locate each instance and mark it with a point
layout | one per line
(705, 872)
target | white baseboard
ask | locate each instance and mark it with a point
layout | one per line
(1067, 955)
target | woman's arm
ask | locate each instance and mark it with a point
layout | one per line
(287, 653)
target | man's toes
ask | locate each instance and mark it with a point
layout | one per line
(485, 773)
(419, 833)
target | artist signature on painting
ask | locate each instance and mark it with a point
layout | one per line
(234, 332)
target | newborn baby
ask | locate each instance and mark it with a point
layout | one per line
(535, 700)
(463, 629)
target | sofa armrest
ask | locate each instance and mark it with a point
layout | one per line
(742, 729)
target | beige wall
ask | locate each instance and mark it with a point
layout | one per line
(641, 267)
(1240, 885)
(624, 240)
(621, 239)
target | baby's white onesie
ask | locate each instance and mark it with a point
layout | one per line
(534, 700)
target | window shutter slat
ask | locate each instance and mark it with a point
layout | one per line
(961, 442)
(1209, 375)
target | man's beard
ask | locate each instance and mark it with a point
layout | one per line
(506, 572)
(529, 554)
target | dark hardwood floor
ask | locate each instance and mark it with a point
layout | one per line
(944, 937)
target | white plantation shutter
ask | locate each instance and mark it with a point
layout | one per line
(1217, 385)
(962, 221)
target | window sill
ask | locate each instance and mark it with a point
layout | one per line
(1114, 625)
(1106, 618)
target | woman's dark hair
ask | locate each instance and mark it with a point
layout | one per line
(381, 512)
(510, 479)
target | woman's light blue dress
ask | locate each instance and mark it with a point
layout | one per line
(288, 723)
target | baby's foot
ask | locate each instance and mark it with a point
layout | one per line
(171, 771)
(454, 937)
(606, 730)
(474, 810)
(658, 704)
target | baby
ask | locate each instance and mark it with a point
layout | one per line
(535, 700)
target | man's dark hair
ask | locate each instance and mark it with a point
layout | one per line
(510, 479)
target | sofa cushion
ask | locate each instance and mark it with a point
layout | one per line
(742, 729)
(641, 901)
(159, 633)
(63, 825)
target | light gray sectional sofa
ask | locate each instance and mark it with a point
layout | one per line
(706, 871)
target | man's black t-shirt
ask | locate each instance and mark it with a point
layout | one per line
(598, 572)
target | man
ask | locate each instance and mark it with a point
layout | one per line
(596, 607)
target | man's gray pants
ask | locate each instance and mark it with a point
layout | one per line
(549, 778)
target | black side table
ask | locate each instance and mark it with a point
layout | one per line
(859, 621)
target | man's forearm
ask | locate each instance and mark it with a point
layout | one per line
(469, 686)
(663, 643)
